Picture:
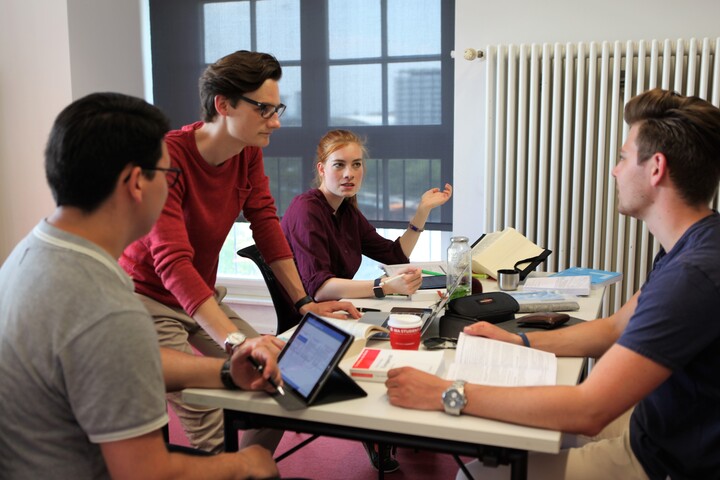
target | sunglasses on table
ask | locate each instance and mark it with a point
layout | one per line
(438, 343)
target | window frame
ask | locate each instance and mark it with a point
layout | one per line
(176, 72)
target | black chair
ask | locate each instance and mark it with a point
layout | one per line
(287, 314)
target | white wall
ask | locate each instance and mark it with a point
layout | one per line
(34, 86)
(482, 22)
(52, 52)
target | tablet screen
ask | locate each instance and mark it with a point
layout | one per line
(311, 354)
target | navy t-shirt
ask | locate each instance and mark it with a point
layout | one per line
(676, 429)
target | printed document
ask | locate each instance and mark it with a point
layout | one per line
(490, 362)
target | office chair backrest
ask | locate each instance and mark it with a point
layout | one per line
(287, 314)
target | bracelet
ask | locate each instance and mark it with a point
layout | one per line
(415, 229)
(524, 339)
(303, 301)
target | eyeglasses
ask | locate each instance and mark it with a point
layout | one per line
(172, 174)
(437, 343)
(267, 110)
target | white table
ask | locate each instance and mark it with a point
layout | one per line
(373, 418)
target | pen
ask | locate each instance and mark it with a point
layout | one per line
(390, 279)
(260, 367)
(365, 309)
(430, 272)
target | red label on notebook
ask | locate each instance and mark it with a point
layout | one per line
(366, 358)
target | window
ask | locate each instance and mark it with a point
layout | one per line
(381, 68)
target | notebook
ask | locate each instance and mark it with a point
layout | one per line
(309, 366)
(381, 318)
(432, 282)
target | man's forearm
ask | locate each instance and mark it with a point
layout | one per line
(588, 339)
(183, 370)
(286, 273)
(214, 321)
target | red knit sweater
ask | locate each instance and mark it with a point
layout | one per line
(176, 263)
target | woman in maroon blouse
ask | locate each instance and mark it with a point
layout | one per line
(328, 234)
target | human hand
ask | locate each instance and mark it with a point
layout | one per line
(409, 387)
(333, 309)
(257, 462)
(485, 329)
(435, 197)
(264, 351)
(406, 282)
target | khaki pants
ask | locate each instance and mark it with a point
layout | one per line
(177, 330)
(608, 455)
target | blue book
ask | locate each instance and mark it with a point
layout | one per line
(597, 277)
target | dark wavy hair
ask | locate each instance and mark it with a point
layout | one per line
(235, 75)
(687, 131)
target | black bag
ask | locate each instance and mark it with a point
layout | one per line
(493, 307)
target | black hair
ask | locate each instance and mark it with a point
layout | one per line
(93, 139)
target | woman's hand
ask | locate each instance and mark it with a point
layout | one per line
(435, 197)
(406, 282)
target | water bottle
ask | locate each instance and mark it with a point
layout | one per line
(459, 261)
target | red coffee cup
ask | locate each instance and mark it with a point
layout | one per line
(405, 331)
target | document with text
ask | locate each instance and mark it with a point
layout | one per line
(490, 362)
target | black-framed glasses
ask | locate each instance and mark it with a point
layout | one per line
(172, 174)
(267, 110)
(437, 343)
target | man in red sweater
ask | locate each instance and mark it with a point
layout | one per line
(174, 267)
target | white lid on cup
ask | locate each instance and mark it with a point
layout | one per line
(404, 320)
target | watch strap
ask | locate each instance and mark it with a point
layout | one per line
(303, 301)
(377, 288)
(226, 377)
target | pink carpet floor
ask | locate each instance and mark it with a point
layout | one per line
(335, 459)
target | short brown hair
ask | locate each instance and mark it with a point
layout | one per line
(235, 75)
(687, 131)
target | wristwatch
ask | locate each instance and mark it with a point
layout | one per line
(226, 377)
(377, 288)
(454, 399)
(234, 340)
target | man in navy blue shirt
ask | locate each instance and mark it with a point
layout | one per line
(660, 353)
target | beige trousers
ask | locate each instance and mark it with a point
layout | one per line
(605, 456)
(177, 330)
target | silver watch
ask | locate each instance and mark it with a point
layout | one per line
(234, 340)
(454, 399)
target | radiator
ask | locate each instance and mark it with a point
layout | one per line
(554, 130)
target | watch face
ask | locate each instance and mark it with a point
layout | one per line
(233, 340)
(453, 399)
(236, 338)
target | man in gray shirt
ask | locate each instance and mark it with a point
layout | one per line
(81, 376)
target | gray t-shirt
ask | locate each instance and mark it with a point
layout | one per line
(79, 359)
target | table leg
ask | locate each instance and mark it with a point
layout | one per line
(230, 432)
(519, 465)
